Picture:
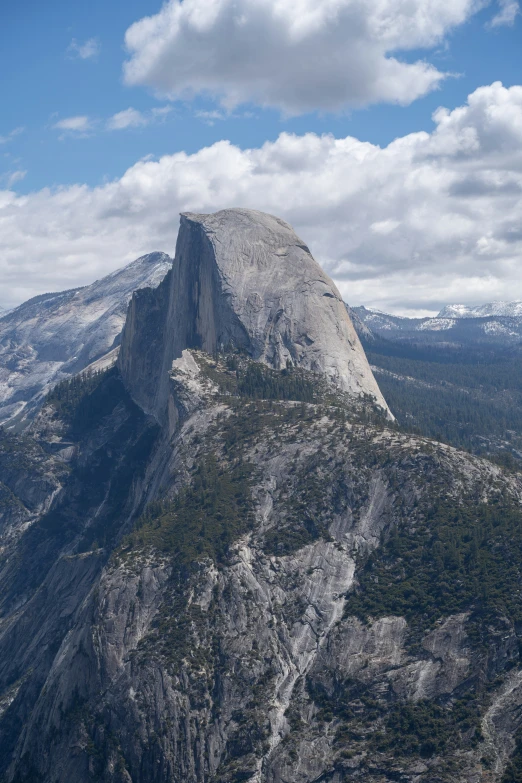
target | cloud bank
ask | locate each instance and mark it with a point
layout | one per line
(298, 56)
(431, 218)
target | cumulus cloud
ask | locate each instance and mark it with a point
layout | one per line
(84, 51)
(432, 218)
(509, 10)
(297, 55)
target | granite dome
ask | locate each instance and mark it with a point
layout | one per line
(242, 279)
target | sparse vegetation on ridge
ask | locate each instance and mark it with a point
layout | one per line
(238, 375)
(203, 519)
(462, 556)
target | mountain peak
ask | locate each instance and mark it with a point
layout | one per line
(245, 225)
(507, 309)
(242, 279)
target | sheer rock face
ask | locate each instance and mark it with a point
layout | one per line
(54, 336)
(242, 278)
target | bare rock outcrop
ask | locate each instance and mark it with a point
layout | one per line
(242, 279)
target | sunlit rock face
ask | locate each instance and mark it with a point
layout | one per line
(243, 279)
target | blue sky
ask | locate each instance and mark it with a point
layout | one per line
(63, 66)
(47, 82)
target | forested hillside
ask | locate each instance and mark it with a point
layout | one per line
(470, 398)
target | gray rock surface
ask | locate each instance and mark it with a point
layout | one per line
(178, 591)
(30, 479)
(125, 669)
(54, 336)
(242, 279)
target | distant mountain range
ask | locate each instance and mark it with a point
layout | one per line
(494, 324)
(455, 377)
(505, 309)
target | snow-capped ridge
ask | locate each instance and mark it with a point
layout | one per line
(506, 309)
(495, 324)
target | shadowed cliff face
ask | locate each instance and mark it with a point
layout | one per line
(242, 279)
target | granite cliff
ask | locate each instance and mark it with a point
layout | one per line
(246, 571)
(241, 279)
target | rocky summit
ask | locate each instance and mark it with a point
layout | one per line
(242, 279)
(222, 560)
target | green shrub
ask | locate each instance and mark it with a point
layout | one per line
(513, 771)
(260, 382)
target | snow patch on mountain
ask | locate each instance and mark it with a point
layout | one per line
(497, 328)
(454, 323)
(506, 309)
(437, 324)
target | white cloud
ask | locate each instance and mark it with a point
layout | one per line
(80, 124)
(509, 10)
(297, 55)
(86, 51)
(15, 176)
(384, 227)
(210, 117)
(160, 112)
(132, 118)
(431, 218)
(129, 118)
(10, 136)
